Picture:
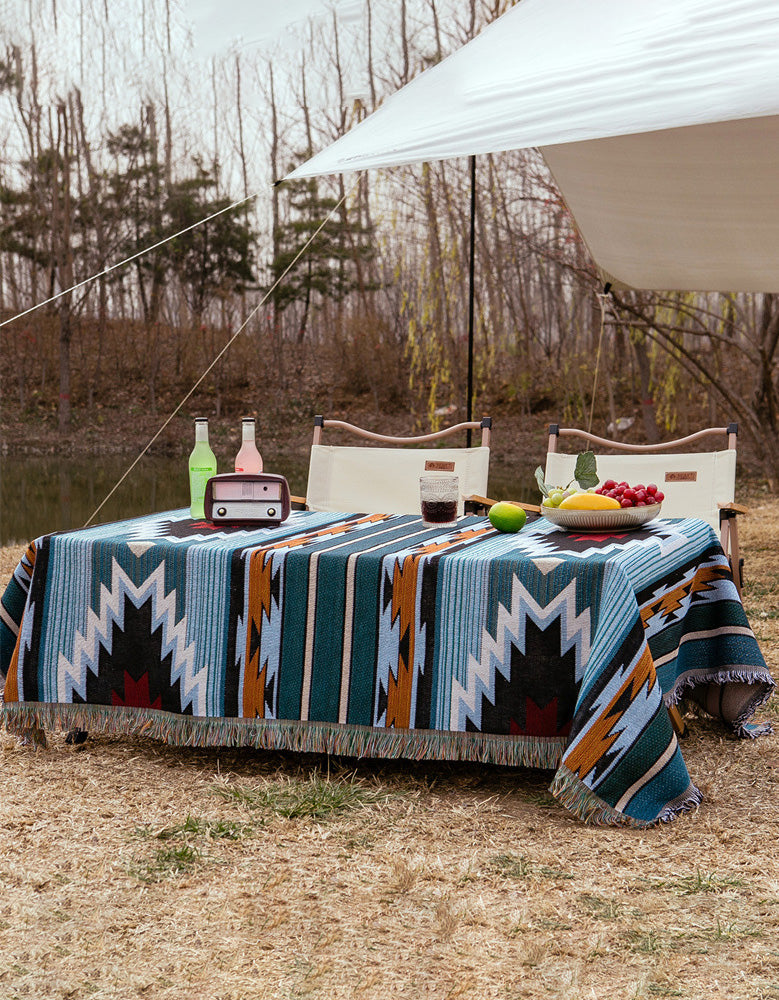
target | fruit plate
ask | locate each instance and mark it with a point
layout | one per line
(624, 519)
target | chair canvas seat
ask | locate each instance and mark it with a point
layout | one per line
(386, 480)
(694, 484)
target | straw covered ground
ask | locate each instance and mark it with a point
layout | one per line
(132, 869)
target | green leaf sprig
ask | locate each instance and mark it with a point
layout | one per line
(585, 474)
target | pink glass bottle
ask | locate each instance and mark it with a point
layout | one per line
(248, 458)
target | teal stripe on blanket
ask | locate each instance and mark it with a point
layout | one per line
(462, 582)
(650, 745)
(65, 609)
(367, 600)
(328, 639)
(207, 622)
(293, 634)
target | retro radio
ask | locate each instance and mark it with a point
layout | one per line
(240, 498)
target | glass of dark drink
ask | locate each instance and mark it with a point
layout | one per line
(439, 496)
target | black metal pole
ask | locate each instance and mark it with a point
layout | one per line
(471, 277)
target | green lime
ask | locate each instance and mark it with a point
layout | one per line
(507, 516)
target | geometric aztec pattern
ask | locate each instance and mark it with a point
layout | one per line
(134, 626)
(371, 622)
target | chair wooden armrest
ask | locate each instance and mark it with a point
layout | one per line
(729, 513)
(534, 508)
(732, 509)
(479, 501)
(298, 503)
(475, 504)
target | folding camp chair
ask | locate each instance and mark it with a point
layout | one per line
(385, 479)
(695, 484)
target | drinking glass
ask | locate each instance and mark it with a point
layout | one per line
(439, 496)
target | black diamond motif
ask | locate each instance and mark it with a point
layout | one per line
(133, 671)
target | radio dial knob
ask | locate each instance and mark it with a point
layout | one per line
(221, 511)
(271, 511)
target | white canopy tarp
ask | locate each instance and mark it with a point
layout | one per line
(659, 121)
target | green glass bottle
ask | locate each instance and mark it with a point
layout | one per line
(202, 465)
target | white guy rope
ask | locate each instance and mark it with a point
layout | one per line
(229, 343)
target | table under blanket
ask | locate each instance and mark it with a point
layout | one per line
(372, 635)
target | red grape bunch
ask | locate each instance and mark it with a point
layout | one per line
(631, 496)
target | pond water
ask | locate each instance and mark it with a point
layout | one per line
(46, 494)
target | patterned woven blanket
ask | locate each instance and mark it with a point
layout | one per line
(371, 635)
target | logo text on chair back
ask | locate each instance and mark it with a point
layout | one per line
(681, 477)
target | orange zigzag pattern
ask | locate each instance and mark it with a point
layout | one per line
(259, 603)
(600, 737)
(29, 558)
(254, 689)
(11, 692)
(404, 590)
(672, 600)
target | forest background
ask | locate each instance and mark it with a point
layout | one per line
(116, 136)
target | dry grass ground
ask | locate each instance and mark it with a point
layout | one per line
(131, 869)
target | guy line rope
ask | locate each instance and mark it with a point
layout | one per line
(121, 263)
(226, 347)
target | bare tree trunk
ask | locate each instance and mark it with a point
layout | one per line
(371, 75)
(93, 181)
(442, 323)
(168, 145)
(439, 54)
(216, 167)
(276, 314)
(158, 271)
(765, 401)
(405, 74)
(645, 380)
(244, 165)
(61, 231)
(239, 113)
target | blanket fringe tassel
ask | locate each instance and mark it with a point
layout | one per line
(572, 793)
(341, 740)
(305, 737)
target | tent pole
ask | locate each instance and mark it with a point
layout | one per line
(471, 273)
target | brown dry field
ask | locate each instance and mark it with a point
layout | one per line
(130, 869)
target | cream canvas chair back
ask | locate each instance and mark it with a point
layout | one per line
(695, 484)
(386, 479)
